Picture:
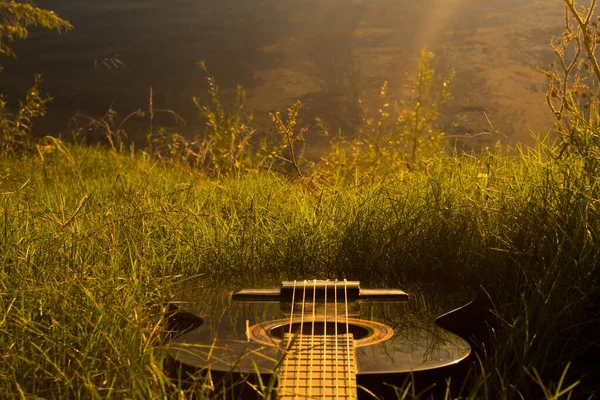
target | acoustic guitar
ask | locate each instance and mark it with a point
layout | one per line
(316, 339)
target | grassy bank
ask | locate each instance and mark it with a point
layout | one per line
(93, 241)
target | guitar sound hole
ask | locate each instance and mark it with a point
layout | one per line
(321, 328)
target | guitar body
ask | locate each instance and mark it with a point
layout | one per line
(347, 344)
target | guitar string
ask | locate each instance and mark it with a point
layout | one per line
(300, 337)
(292, 315)
(324, 337)
(312, 340)
(288, 344)
(347, 334)
(336, 339)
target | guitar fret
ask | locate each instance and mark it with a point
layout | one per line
(294, 358)
(314, 367)
(326, 376)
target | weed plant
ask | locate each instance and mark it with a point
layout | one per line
(16, 19)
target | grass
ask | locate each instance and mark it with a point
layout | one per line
(93, 242)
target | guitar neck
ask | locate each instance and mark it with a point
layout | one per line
(318, 367)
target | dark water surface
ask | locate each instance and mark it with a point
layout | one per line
(326, 53)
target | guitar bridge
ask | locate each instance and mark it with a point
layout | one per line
(320, 290)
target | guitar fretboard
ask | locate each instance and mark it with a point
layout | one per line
(318, 367)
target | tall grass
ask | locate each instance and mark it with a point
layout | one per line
(92, 242)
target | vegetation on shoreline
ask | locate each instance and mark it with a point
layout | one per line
(94, 239)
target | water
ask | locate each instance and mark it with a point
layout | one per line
(325, 53)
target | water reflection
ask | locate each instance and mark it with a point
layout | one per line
(325, 53)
